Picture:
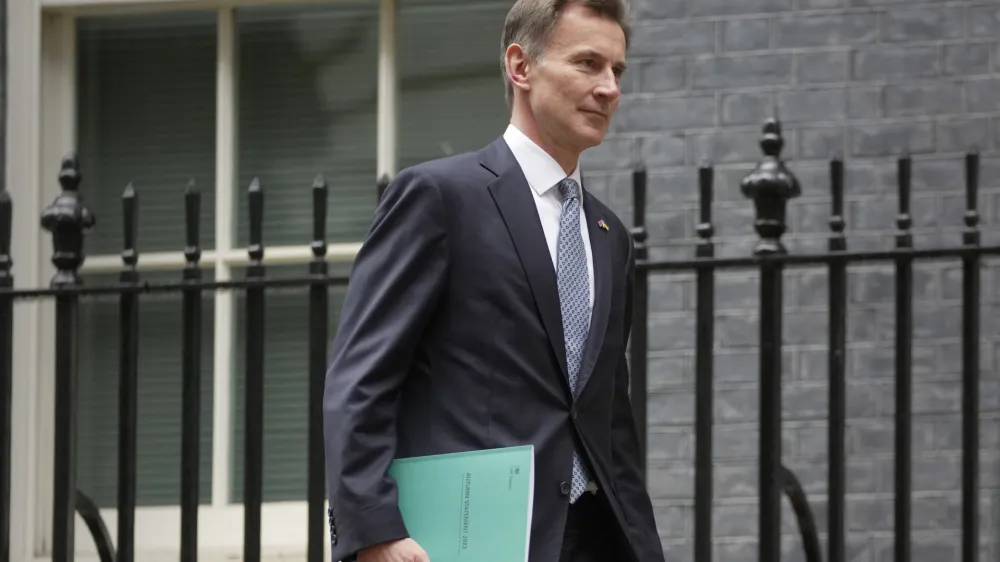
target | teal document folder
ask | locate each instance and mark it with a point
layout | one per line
(469, 506)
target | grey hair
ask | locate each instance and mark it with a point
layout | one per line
(529, 24)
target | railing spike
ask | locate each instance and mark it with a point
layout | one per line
(320, 195)
(972, 188)
(837, 194)
(192, 225)
(706, 178)
(640, 179)
(255, 249)
(6, 226)
(130, 223)
(903, 179)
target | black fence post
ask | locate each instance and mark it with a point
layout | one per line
(639, 345)
(253, 454)
(66, 218)
(904, 363)
(6, 368)
(191, 373)
(836, 489)
(770, 187)
(6, 306)
(318, 327)
(704, 373)
(128, 379)
(970, 364)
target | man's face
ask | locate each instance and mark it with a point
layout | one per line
(575, 86)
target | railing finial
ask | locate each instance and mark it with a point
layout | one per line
(130, 225)
(904, 175)
(971, 216)
(320, 196)
(706, 180)
(638, 231)
(837, 223)
(67, 218)
(770, 186)
(255, 249)
(192, 230)
(6, 223)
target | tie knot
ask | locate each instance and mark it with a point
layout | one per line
(569, 188)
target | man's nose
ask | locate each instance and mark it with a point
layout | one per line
(608, 87)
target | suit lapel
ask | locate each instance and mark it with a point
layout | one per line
(601, 249)
(511, 192)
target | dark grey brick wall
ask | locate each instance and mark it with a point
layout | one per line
(866, 79)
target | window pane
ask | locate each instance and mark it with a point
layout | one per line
(307, 91)
(146, 109)
(146, 114)
(451, 86)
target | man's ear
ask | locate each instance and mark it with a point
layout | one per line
(518, 67)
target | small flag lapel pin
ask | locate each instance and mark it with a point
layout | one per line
(603, 224)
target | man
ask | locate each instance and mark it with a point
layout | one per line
(490, 306)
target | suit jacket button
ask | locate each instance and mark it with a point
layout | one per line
(564, 488)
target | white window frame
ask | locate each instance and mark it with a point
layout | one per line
(41, 125)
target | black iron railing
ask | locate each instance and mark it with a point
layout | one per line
(68, 218)
(770, 186)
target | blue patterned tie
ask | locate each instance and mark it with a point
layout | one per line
(574, 299)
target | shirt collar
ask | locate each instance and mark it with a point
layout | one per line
(540, 169)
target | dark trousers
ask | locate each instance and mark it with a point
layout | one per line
(592, 533)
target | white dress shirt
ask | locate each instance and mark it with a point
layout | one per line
(543, 174)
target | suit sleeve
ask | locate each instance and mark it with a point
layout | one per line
(628, 470)
(395, 283)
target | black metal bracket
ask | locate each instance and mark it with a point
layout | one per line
(92, 517)
(803, 514)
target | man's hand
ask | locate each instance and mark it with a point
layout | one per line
(403, 550)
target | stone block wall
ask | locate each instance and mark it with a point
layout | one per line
(868, 80)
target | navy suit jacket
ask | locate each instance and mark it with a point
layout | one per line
(450, 339)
